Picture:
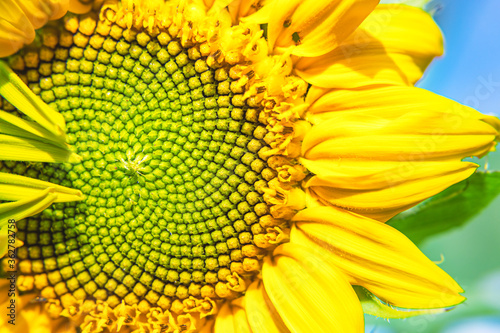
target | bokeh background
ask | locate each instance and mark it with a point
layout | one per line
(469, 73)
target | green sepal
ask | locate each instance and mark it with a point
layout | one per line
(15, 126)
(18, 94)
(449, 209)
(372, 305)
(21, 209)
(14, 148)
(21, 140)
(16, 187)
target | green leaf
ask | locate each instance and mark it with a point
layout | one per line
(449, 209)
(372, 305)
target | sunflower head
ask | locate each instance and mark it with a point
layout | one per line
(193, 164)
(185, 129)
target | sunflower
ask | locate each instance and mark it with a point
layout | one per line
(226, 166)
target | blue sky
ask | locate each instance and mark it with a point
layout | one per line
(469, 72)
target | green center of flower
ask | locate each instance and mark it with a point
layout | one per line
(170, 170)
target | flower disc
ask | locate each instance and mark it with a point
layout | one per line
(170, 169)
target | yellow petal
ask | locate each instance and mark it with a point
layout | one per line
(393, 45)
(209, 3)
(380, 154)
(208, 327)
(215, 6)
(40, 11)
(311, 27)
(242, 8)
(261, 16)
(389, 147)
(310, 294)
(18, 94)
(381, 190)
(261, 314)
(377, 257)
(314, 93)
(231, 318)
(388, 102)
(80, 7)
(20, 18)
(14, 24)
(428, 134)
(11, 39)
(375, 175)
(15, 187)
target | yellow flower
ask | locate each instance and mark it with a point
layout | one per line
(226, 166)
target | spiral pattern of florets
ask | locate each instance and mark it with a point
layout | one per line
(170, 170)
